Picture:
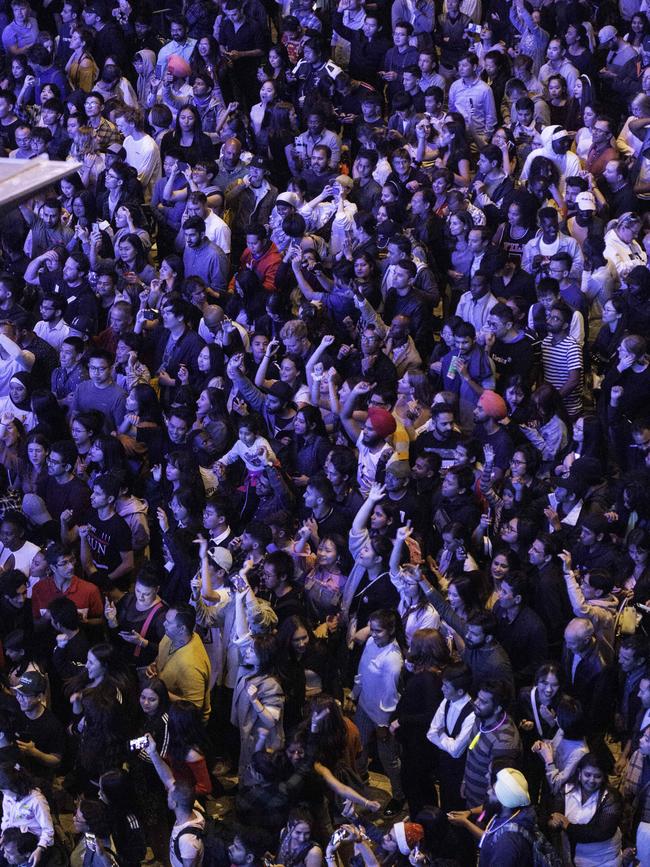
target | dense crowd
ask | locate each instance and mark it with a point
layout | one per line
(325, 434)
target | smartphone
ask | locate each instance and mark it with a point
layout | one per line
(91, 841)
(474, 28)
(138, 743)
(150, 314)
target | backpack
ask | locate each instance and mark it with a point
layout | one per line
(544, 853)
(215, 851)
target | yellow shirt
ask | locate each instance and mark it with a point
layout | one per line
(186, 672)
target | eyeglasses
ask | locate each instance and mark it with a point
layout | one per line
(93, 368)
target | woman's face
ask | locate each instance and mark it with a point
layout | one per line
(548, 687)
(299, 641)
(295, 752)
(203, 360)
(67, 188)
(145, 595)
(288, 370)
(80, 434)
(499, 567)
(448, 335)
(131, 402)
(179, 511)
(166, 272)
(11, 436)
(439, 186)
(93, 666)
(275, 61)
(577, 89)
(203, 403)
(378, 519)
(204, 47)
(300, 425)
(499, 138)
(267, 92)
(456, 226)
(382, 214)
(637, 24)
(17, 69)
(17, 391)
(639, 556)
(78, 207)
(579, 430)
(127, 251)
(46, 93)
(172, 473)
(588, 116)
(514, 215)
(122, 351)
(403, 386)
(514, 395)
(554, 89)
(327, 555)
(36, 454)
(624, 354)
(610, 314)
(591, 779)
(509, 531)
(186, 120)
(454, 599)
(96, 453)
(149, 701)
(301, 833)
(121, 218)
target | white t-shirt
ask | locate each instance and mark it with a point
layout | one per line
(189, 844)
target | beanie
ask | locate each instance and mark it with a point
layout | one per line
(408, 835)
(382, 421)
(511, 788)
(493, 405)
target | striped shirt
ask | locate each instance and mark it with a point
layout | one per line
(558, 361)
(484, 747)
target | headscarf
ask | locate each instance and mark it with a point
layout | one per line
(26, 379)
(148, 59)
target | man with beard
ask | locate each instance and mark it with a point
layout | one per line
(556, 146)
(562, 359)
(509, 811)
(370, 439)
(494, 737)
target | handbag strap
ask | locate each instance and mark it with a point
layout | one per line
(533, 702)
(145, 626)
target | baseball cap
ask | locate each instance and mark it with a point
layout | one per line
(84, 325)
(288, 199)
(586, 201)
(258, 162)
(607, 33)
(114, 148)
(221, 557)
(399, 469)
(32, 683)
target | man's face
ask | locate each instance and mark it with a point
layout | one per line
(193, 238)
(465, 68)
(120, 320)
(537, 553)
(474, 638)
(258, 347)
(99, 371)
(554, 321)
(98, 498)
(93, 106)
(315, 124)
(498, 326)
(425, 63)
(49, 311)
(610, 173)
(318, 160)
(401, 279)
(230, 153)
(23, 138)
(463, 345)
(557, 270)
(177, 429)
(369, 437)
(177, 32)
(554, 50)
(450, 486)
(507, 599)
(237, 853)
(484, 706)
(400, 37)
(50, 216)
(255, 244)
(478, 286)
(10, 535)
(63, 569)
(475, 241)
(171, 627)
(549, 227)
(5, 108)
(269, 577)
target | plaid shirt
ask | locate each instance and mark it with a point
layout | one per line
(106, 133)
(630, 787)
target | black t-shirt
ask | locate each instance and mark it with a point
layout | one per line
(107, 540)
(48, 735)
(515, 357)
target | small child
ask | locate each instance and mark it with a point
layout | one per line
(252, 448)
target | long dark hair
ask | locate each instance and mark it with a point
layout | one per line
(198, 123)
(186, 731)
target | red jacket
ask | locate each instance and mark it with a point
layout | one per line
(266, 266)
